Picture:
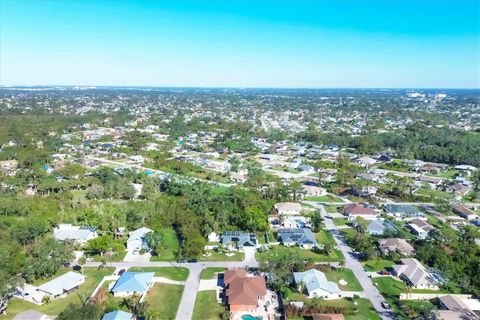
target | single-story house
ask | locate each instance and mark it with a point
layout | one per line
(131, 283)
(288, 208)
(421, 228)
(62, 285)
(366, 161)
(460, 189)
(77, 234)
(243, 293)
(136, 240)
(316, 284)
(302, 237)
(238, 239)
(295, 222)
(377, 227)
(354, 210)
(395, 244)
(314, 190)
(403, 212)
(465, 212)
(415, 274)
(117, 315)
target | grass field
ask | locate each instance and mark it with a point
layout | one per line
(169, 253)
(323, 199)
(173, 273)
(389, 286)
(377, 265)
(93, 278)
(336, 255)
(342, 222)
(164, 299)
(207, 307)
(346, 274)
(331, 209)
(211, 273)
(362, 311)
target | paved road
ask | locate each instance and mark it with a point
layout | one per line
(185, 310)
(370, 291)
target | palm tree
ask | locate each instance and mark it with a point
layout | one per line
(46, 299)
(81, 262)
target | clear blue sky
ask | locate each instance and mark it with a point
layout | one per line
(241, 43)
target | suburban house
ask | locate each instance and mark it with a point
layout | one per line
(403, 212)
(313, 190)
(243, 293)
(378, 227)
(288, 208)
(453, 307)
(62, 285)
(395, 245)
(415, 274)
(420, 228)
(136, 240)
(302, 237)
(315, 284)
(131, 283)
(465, 212)
(459, 189)
(77, 234)
(118, 315)
(354, 210)
(366, 161)
(238, 240)
(295, 222)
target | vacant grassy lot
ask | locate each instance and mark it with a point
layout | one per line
(362, 311)
(173, 273)
(389, 286)
(207, 307)
(323, 199)
(93, 278)
(169, 253)
(211, 273)
(164, 299)
(377, 265)
(335, 256)
(220, 256)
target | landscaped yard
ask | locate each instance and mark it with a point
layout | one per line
(331, 209)
(94, 276)
(377, 265)
(116, 256)
(220, 256)
(362, 311)
(341, 222)
(173, 273)
(346, 274)
(170, 241)
(389, 286)
(211, 273)
(164, 299)
(207, 307)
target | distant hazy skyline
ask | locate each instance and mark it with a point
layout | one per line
(228, 43)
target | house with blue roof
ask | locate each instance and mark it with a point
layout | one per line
(131, 283)
(314, 283)
(302, 237)
(117, 315)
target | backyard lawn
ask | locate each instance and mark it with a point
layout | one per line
(207, 307)
(346, 274)
(169, 253)
(93, 278)
(173, 273)
(377, 265)
(164, 299)
(211, 273)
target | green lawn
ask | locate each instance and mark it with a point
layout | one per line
(342, 222)
(285, 169)
(116, 256)
(207, 307)
(323, 199)
(335, 256)
(211, 273)
(389, 286)
(164, 299)
(346, 274)
(377, 265)
(169, 253)
(433, 194)
(219, 256)
(94, 276)
(173, 273)
(362, 311)
(331, 209)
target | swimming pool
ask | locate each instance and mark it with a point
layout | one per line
(250, 317)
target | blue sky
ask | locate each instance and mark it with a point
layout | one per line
(228, 43)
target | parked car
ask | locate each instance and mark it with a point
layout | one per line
(121, 272)
(384, 272)
(181, 260)
(385, 305)
(192, 260)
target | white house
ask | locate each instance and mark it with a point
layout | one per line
(316, 284)
(415, 274)
(62, 285)
(288, 208)
(77, 234)
(136, 240)
(314, 190)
